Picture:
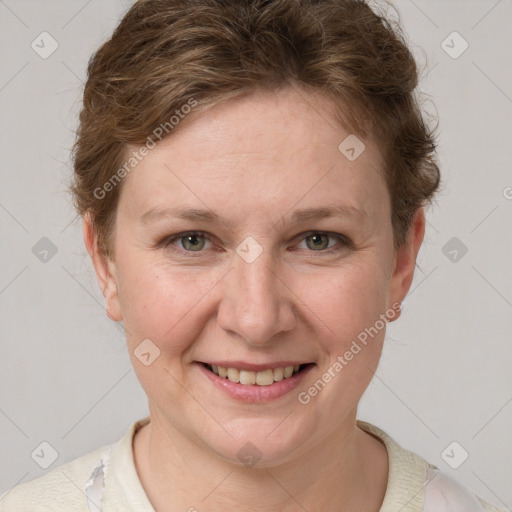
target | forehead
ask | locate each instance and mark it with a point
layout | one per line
(259, 151)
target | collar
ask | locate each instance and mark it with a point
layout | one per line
(405, 490)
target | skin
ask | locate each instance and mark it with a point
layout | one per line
(254, 161)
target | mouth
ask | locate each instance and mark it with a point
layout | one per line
(255, 383)
(263, 377)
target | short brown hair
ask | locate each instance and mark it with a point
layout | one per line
(165, 52)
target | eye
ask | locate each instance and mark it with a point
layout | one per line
(319, 241)
(193, 241)
(197, 241)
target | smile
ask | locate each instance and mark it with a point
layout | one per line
(255, 383)
(259, 378)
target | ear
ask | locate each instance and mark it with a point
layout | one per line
(405, 261)
(105, 270)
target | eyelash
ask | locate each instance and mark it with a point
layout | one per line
(168, 241)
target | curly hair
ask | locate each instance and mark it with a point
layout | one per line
(165, 54)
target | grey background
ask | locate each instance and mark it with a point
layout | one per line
(65, 376)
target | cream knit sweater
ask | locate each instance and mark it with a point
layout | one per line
(63, 489)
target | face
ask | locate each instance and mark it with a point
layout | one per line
(248, 243)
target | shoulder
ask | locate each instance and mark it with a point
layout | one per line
(443, 493)
(62, 489)
(414, 485)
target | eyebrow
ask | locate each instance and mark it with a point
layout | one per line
(210, 217)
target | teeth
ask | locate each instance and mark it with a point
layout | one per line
(265, 378)
(233, 375)
(247, 377)
(278, 374)
(288, 372)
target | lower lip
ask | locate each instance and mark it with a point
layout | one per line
(254, 393)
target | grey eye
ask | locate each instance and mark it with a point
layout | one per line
(319, 241)
(193, 242)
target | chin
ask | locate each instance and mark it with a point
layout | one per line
(262, 443)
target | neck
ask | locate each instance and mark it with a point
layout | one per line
(347, 470)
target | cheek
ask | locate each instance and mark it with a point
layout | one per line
(347, 308)
(162, 303)
(345, 301)
(170, 309)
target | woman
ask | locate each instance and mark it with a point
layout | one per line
(252, 178)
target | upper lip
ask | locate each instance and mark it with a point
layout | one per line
(241, 365)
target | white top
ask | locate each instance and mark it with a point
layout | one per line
(106, 480)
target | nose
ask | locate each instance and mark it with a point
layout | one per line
(257, 303)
